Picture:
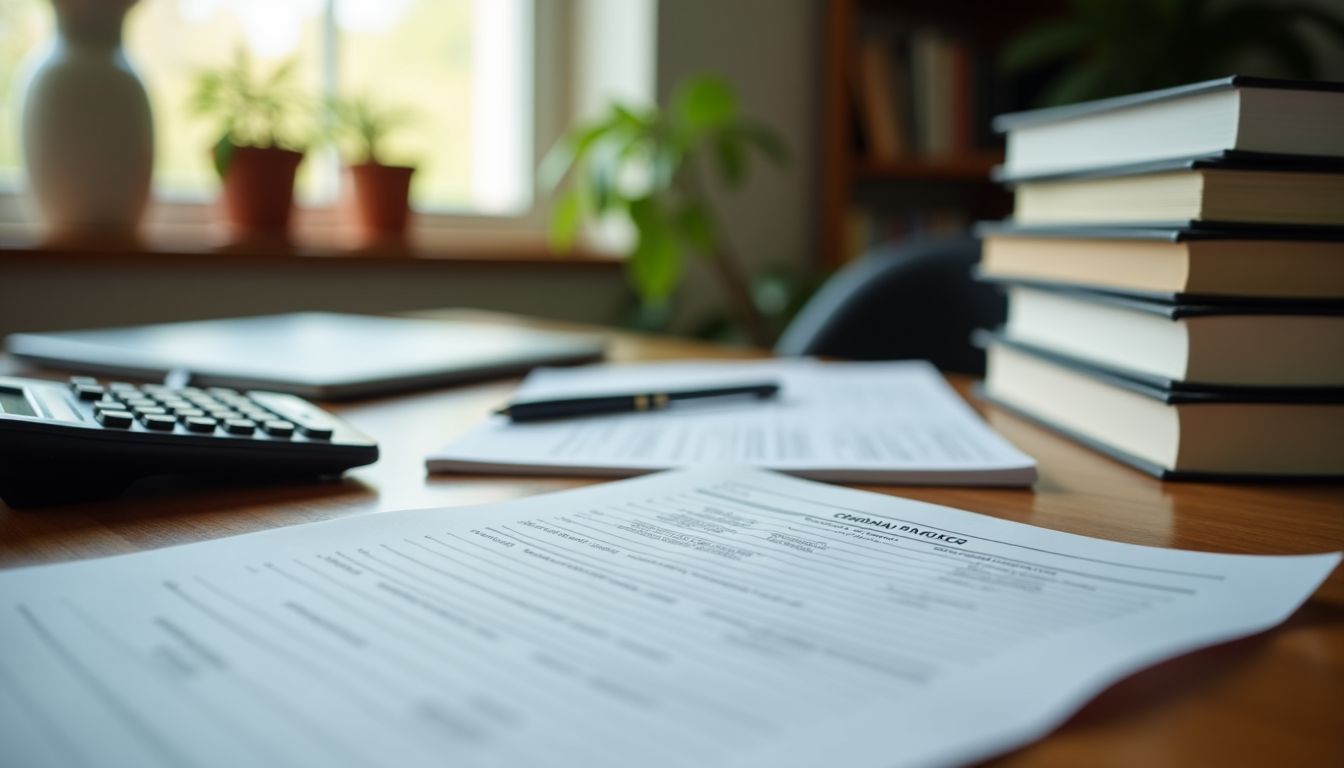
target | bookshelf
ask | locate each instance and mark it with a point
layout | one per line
(908, 91)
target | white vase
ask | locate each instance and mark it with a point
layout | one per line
(88, 136)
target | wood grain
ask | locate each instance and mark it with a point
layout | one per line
(1277, 698)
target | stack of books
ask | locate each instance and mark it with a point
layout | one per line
(1175, 273)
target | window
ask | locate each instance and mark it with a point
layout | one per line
(464, 69)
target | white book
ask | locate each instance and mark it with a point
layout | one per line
(1250, 114)
(880, 422)
(1263, 345)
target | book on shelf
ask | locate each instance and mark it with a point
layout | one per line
(879, 90)
(1232, 113)
(1186, 433)
(1176, 264)
(1212, 189)
(917, 94)
(1250, 345)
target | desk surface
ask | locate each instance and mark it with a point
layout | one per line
(1277, 698)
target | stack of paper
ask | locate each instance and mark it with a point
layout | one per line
(895, 422)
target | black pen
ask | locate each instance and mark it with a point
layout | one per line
(540, 410)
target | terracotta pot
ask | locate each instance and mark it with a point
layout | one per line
(381, 201)
(259, 189)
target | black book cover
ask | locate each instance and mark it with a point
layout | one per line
(1012, 121)
(1219, 301)
(1225, 160)
(1165, 232)
(1176, 306)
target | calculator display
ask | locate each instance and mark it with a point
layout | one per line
(13, 401)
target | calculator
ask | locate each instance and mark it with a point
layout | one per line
(84, 439)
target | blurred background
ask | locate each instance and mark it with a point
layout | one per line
(823, 128)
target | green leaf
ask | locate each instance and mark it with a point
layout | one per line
(222, 154)
(696, 228)
(731, 153)
(570, 151)
(565, 220)
(655, 265)
(704, 103)
(627, 117)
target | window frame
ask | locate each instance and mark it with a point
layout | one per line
(552, 46)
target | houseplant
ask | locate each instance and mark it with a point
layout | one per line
(260, 144)
(380, 192)
(1114, 48)
(648, 166)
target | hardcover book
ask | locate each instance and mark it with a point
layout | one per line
(1231, 113)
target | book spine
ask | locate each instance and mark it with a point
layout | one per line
(961, 118)
(875, 98)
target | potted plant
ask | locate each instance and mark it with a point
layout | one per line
(648, 166)
(259, 149)
(380, 192)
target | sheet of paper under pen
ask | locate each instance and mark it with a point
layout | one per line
(875, 422)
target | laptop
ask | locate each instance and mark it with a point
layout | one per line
(319, 355)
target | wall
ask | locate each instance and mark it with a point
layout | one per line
(770, 50)
(80, 293)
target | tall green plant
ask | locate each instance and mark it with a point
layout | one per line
(1113, 47)
(648, 165)
(252, 109)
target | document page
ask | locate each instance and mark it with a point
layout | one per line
(847, 422)
(697, 618)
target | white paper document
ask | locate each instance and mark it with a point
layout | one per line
(894, 422)
(698, 618)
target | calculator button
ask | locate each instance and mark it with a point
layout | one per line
(121, 386)
(278, 428)
(114, 419)
(315, 432)
(108, 404)
(223, 392)
(77, 380)
(200, 424)
(89, 391)
(240, 426)
(305, 414)
(157, 422)
(188, 413)
(149, 410)
(138, 402)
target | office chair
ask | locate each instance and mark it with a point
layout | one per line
(901, 301)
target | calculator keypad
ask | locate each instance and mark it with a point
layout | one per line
(218, 410)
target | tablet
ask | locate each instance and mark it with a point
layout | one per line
(318, 355)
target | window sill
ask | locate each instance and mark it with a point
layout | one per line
(487, 250)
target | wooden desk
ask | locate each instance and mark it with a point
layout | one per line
(1275, 699)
